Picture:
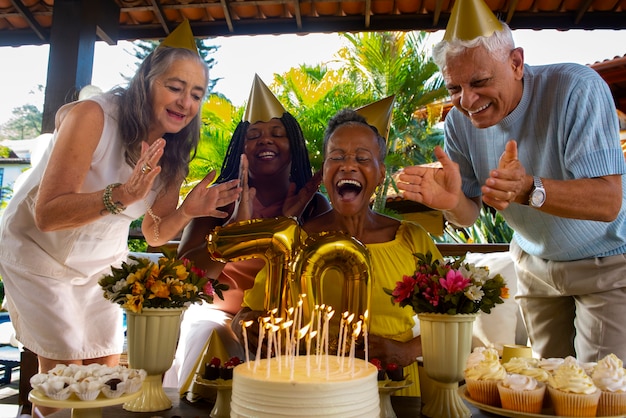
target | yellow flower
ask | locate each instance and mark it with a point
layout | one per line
(176, 286)
(133, 303)
(137, 288)
(181, 272)
(159, 290)
(137, 276)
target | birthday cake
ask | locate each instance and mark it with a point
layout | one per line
(315, 386)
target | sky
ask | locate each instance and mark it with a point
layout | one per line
(240, 57)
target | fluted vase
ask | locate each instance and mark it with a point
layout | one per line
(151, 337)
(446, 344)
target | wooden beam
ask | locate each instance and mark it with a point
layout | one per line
(70, 62)
(157, 9)
(108, 21)
(30, 19)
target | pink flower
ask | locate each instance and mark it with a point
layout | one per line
(404, 289)
(454, 282)
(198, 271)
(208, 288)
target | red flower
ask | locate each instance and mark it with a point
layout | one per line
(404, 289)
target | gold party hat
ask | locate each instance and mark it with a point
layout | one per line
(181, 37)
(378, 114)
(214, 347)
(262, 104)
(471, 19)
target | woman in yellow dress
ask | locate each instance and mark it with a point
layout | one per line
(354, 153)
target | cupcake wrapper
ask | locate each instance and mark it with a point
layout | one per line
(59, 396)
(611, 403)
(88, 396)
(484, 391)
(574, 404)
(528, 401)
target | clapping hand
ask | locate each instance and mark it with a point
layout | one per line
(505, 184)
(436, 187)
(295, 203)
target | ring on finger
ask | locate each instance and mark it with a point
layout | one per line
(146, 168)
(508, 195)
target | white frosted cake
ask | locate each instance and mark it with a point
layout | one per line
(307, 391)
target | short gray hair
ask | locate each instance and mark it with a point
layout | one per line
(499, 44)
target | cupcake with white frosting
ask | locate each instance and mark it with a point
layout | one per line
(609, 376)
(482, 374)
(521, 393)
(572, 391)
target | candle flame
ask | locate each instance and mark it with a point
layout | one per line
(303, 330)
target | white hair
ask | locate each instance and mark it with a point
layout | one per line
(499, 44)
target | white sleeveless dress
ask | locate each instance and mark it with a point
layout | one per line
(51, 278)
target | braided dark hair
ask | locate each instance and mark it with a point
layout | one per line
(349, 116)
(300, 165)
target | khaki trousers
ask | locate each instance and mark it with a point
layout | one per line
(573, 308)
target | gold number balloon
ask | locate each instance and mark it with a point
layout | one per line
(321, 256)
(274, 239)
(297, 268)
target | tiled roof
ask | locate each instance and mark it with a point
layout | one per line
(28, 22)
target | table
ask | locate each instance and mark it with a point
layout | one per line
(405, 407)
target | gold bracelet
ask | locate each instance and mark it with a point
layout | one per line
(107, 198)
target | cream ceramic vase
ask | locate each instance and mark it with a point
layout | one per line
(151, 337)
(446, 344)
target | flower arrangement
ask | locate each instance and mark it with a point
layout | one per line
(449, 287)
(170, 283)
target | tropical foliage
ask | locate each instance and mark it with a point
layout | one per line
(490, 227)
(24, 124)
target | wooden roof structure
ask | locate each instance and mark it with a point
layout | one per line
(71, 27)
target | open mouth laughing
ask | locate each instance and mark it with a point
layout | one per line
(349, 188)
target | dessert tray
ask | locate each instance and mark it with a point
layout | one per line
(221, 409)
(81, 409)
(385, 389)
(547, 412)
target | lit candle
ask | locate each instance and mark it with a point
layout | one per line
(329, 314)
(286, 326)
(356, 330)
(342, 324)
(309, 337)
(364, 317)
(318, 340)
(244, 325)
(318, 309)
(299, 323)
(344, 339)
(278, 339)
(258, 349)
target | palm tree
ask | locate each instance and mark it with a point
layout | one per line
(313, 94)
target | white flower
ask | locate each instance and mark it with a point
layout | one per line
(474, 293)
(119, 285)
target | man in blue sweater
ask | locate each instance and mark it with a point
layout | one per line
(541, 145)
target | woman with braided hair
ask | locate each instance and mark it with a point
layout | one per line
(268, 154)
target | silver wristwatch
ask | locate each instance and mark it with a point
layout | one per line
(537, 194)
